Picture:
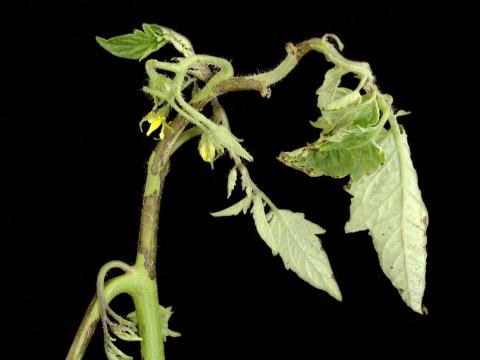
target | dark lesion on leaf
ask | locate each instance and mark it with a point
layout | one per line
(425, 220)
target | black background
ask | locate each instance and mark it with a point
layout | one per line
(75, 167)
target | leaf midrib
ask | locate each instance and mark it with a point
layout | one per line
(400, 147)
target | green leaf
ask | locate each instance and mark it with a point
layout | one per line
(350, 98)
(126, 333)
(165, 314)
(235, 209)
(364, 114)
(232, 180)
(389, 204)
(347, 152)
(113, 352)
(300, 249)
(261, 223)
(224, 137)
(135, 46)
(180, 42)
(342, 107)
(327, 92)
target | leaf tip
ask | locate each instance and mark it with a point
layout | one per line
(100, 41)
(334, 290)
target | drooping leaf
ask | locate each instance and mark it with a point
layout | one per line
(242, 205)
(327, 92)
(261, 223)
(347, 152)
(351, 98)
(342, 107)
(388, 203)
(232, 180)
(367, 112)
(113, 352)
(295, 239)
(135, 46)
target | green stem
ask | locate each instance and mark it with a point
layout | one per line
(119, 285)
(282, 70)
(324, 46)
(262, 82)
(146, 296)
(148, 313)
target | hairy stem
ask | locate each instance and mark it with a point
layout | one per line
(141, 284)
(262, 82)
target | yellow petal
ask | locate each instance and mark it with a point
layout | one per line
(203, 152)
(155, 123)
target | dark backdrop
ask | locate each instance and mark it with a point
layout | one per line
(75, 168)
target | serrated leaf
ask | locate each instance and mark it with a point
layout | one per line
(242, 205)
(262, 225)
(246, 182)
(388, 203)
(165, 314)
(347, 152)
(232, 180)
(113, 352)
(227, 139)
(126, 333)
(135, 46)
(296, 240)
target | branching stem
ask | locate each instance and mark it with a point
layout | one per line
(140, 283)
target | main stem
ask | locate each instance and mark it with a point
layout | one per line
(146, 296)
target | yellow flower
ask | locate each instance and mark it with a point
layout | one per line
(156, 121)
(207, 149)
